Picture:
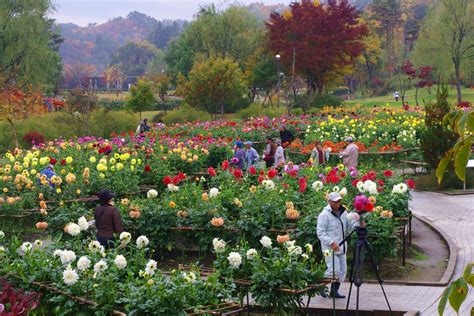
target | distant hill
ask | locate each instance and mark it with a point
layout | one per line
(94, 44)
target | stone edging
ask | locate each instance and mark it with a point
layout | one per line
(452, 248)
(448, 273)
(455, 192)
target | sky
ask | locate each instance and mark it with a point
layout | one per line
(83, 12)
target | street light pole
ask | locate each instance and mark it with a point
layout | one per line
(277, 57)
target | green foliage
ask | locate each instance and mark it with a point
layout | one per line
(104, 123)
(263, 74)
(461, 123)
(165, 31)
(133, 57)
(215, 85)
(183, 114)
(436, 139)
(27, 43)
(256, 109)
(217, 154)
(307, 101)
(271, 269)
(141, 97)
(99, 123)
(457, 291)
(447, 39)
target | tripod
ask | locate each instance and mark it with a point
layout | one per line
(357, 267)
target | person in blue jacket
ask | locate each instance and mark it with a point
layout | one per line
(239, 157)
(252, 156)
(49, 173)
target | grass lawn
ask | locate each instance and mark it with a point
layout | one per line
(423, 95)
(113, 96)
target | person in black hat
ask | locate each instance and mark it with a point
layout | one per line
(285, 136)
(107, 219)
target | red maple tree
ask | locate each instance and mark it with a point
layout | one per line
(324, 37)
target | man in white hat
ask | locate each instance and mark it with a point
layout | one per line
(333, 227)
(350, 155)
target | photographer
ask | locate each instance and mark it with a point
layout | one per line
(333, 227)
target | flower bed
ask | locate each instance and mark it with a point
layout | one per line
(235, 206)
(120, 279)
(125, 162)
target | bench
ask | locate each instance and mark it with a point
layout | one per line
(414, 165)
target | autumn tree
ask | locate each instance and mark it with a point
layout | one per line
(213, 85)
(113, 76)
(408, 76)
(161, 84)
(326, 38)
(369, 62)
(75, 75)
(15, 104)
(447, 39)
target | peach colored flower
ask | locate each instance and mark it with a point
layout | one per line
(281, 239)
(41, 225)
(292, 214)
(217, 221)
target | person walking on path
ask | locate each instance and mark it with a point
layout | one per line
(269, 153)
(333, 226)
(251, 155)
(350, 155)
(239, 157)
(107, 219)
(396, 95)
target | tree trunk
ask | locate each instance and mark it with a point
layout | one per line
(457, 67)
(416, 95)
(14, 133)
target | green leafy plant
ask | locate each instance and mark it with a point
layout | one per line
(457, 291)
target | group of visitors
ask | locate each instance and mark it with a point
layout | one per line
(333, 224)
(244, 157)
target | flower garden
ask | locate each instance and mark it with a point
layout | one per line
(176, 190)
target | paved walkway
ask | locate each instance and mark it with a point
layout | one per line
(452, 214)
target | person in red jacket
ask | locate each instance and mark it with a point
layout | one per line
(107, 219)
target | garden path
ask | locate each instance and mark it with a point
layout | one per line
(451, 214)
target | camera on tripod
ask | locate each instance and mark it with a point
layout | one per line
(361, 232)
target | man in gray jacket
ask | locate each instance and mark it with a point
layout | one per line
(333, 227)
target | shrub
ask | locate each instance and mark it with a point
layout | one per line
(99, 123)
(217, 154)
(304, 101)
(112, 104)
(297, 111)
(33, 137)
(256, 109)
(185, 113)
(103, 123)
(158, 118)
(436, 139)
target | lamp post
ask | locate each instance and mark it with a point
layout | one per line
(277, 57)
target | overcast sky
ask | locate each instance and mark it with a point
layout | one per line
(83, 12)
